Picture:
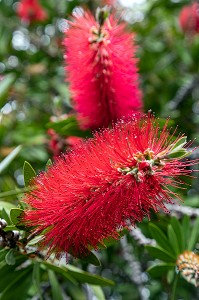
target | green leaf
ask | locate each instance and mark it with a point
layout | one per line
(180, 143)
(170, 276)
(185, 230)
(18, 287)
(10, 257)
(160, 237)
(36, 279)
(83, 277)
(178, 231)
(3, 253)
(15, 215)
(5, 216)
(160, 269)
(5, 163)
(181, 153)
(60, 270)
(49, 164)
(28, 172)
(56, 288)
(99, 294)
(173, 240)
(160, 253)
(91, 258)
(8, 272)
(194, 236)
(5, 86)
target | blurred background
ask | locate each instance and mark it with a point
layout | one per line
(34, 124)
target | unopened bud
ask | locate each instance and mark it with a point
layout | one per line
(3, 223)
(16, 235)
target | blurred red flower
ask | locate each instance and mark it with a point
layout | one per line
(31, 10)
(101, 69)
(105, 183)
(189, 18)
(58, 144)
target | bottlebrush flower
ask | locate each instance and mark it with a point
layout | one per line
(189, 18)
(101, 69)
(31, 10)
(106, 183)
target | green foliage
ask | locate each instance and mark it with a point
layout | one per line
(34, 97)
(29, 173)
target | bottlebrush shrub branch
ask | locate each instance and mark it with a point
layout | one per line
(106, 183)
(102, 69)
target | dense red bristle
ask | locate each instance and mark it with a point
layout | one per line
(86, 196)
(102, 73)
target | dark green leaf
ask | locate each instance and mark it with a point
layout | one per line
(56, 288)
(10, 257)
(160, 253)
(186, 230)
(29, 173)
(83, 276)
(60, 270)
(173, 240)
(5, 216)
(160, 237)
(91, 258)
(194, 236)
(178, 231)
(15, 215)
(160, 269)
(18, 287)
(36, 279)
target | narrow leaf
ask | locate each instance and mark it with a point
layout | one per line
(99, 294)
(194, 235)
(160, 237)
(10, 257)
(91, 258)
(15, 215)
(56, 288)
(178, 231)
(83, 276)
(5, 216)
(36, 279)
(28, 172)
(185, 230)
(60, 270)
(48, 164)
(5, 163)
(160, 269)
(160, 253)
(173, 240)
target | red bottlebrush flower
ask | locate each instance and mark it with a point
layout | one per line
(101, 69)
(31, 10)
(106, 183)
(189, 18)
